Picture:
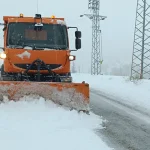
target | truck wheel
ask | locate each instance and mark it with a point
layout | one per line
(2, 70)
(4, 76)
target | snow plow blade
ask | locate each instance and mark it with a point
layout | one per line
(72, 95)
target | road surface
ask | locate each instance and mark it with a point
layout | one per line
(125, 129)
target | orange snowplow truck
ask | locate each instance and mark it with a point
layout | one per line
(37, 61)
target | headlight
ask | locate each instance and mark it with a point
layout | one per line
(71, 57)
(3, 55)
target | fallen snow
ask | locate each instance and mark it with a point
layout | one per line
(28, 48)
(62, 22)
(48, 49)
(133, 94)
(41, 125)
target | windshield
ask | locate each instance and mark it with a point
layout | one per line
(52, 36)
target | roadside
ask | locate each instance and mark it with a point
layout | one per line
(134, 95)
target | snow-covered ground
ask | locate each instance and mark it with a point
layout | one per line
(36, 124)
(133, 94)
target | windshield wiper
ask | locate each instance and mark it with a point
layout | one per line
(37, 47)
(33, 47)
(15, 46)
(55, 47)
(20, 47)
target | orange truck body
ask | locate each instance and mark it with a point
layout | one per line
(49, 57)
(22, 65)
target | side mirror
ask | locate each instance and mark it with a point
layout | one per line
(78, 34)
(78, 43)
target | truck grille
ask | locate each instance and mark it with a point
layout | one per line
(34, 67)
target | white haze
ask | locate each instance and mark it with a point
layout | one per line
(117, 29)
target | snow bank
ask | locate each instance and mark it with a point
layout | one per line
(134, 94)
(41, 125)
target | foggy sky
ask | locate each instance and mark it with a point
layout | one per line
(117, 29)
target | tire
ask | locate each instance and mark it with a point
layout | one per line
(2, 70)
(4, 75)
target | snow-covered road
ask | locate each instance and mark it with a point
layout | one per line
(125, 105)
(125, 129)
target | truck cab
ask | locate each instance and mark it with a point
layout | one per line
(37, 49)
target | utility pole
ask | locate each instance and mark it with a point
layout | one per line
(141, 48)
(94, 6)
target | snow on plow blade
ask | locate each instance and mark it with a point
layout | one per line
(72, 95)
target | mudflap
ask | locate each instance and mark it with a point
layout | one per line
(72, 95)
